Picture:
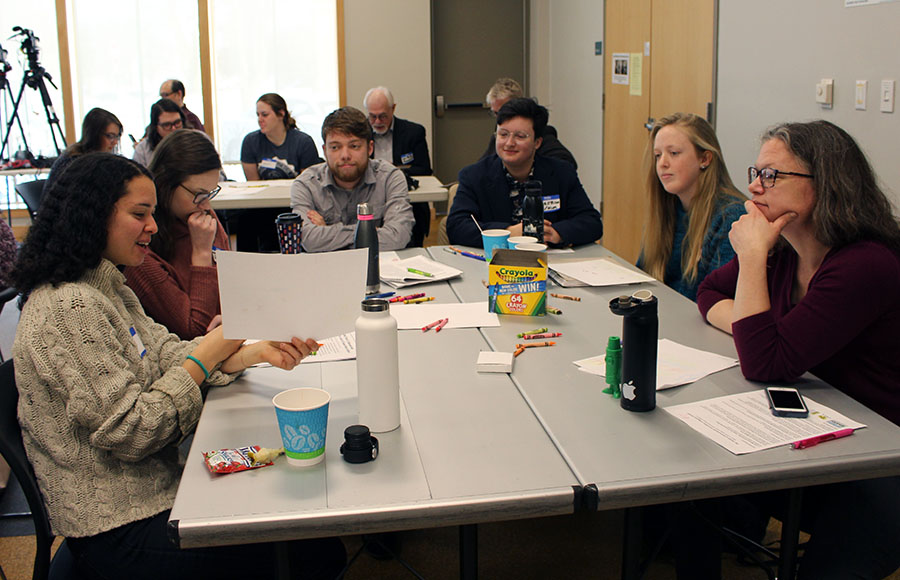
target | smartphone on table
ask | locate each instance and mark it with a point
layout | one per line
(786, 402)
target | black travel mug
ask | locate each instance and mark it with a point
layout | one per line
(533, 210)
(640, 332)
(367, 237)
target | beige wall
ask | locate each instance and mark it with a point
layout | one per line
(767, 75)
(567, 78)
(388, 42)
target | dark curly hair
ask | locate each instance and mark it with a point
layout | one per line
(180, 155)
(69, 236)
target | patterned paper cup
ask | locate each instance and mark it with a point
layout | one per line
(492, 240)
(288, 226)
(302, 419)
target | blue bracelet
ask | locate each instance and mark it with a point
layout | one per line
(199, 364)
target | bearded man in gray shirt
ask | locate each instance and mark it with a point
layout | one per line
(326, 195)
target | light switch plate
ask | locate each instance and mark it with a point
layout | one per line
(825, 92)
(860, 102)
(886, 98)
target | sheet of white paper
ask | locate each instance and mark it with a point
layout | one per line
(743, 423)
(599, 272)
(676, 364)
(277, 296)
(341, 347)
(465, 315)
(396, 272)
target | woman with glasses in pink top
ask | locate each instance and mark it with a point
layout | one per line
(178, 284)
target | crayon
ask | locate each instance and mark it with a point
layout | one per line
(566, 297)
(541, 335)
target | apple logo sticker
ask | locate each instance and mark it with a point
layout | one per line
(628, 390)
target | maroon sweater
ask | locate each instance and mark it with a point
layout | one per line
(846, 330)
(182, 297)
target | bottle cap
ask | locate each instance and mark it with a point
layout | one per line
(363, 209)
(359, 445)
(374, 305)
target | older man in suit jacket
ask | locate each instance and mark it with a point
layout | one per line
(402, 143)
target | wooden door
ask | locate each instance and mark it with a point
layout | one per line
(473, 44)
(627, 24)
(676, 76)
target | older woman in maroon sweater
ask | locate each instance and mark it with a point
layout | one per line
(816, 287)
(177, 283)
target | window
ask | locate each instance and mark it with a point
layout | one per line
(122, 53)
(273, 46)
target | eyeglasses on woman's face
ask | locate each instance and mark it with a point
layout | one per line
(767, 175)
(201, 196)
(170, 125)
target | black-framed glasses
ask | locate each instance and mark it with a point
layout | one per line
(114, 137)
(171, 125)
(767, 175)
(201, 196)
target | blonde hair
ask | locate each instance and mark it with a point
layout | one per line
(659, 229)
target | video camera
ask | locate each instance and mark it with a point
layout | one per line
(29, 46)
(5, 67)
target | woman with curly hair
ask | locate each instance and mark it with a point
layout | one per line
(100, 131)
(106, 394)
(693, 203)
(178, 283)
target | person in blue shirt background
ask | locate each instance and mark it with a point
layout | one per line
(693, 203)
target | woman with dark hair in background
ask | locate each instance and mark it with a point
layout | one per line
(816, 288)
(165, 117)
(106, 394)
(278, 150)
(177, 283)
(100, 131)
(693, 203)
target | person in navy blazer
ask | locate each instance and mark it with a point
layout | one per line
(402, 143)
(491, 191)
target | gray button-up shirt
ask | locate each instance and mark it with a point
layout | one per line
(383, 186)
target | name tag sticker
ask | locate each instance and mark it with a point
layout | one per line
(406, 158)
(268, 164)
(137, 341)
(551, 203)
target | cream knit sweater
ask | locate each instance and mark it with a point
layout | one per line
(100, 422)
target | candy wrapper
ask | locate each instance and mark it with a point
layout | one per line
(240, 459)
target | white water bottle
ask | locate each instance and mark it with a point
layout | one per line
(377, 367)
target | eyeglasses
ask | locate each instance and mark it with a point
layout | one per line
(201, 196)
(504, 135)
(767, 175)
(114, 137)
(164, 95)
(170, 125)
(381, 117)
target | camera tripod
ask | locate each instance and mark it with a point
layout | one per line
(34, 78)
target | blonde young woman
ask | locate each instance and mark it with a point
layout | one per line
(693, 203)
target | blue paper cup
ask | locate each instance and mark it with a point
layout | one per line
(302, 420)
(493, 239)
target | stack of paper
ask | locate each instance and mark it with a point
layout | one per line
(598, 272)
(415, 270)
(676, 364)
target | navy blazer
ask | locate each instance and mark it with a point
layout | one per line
(409, 140)
(484, 193)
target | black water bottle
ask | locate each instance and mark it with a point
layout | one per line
(533, 210)
(367, 237)
(640, 332)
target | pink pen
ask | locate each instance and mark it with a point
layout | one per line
(804, 443)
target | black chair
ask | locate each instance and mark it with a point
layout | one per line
(13, 451)
(31, 193)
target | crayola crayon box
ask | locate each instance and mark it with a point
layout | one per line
(517, 282)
